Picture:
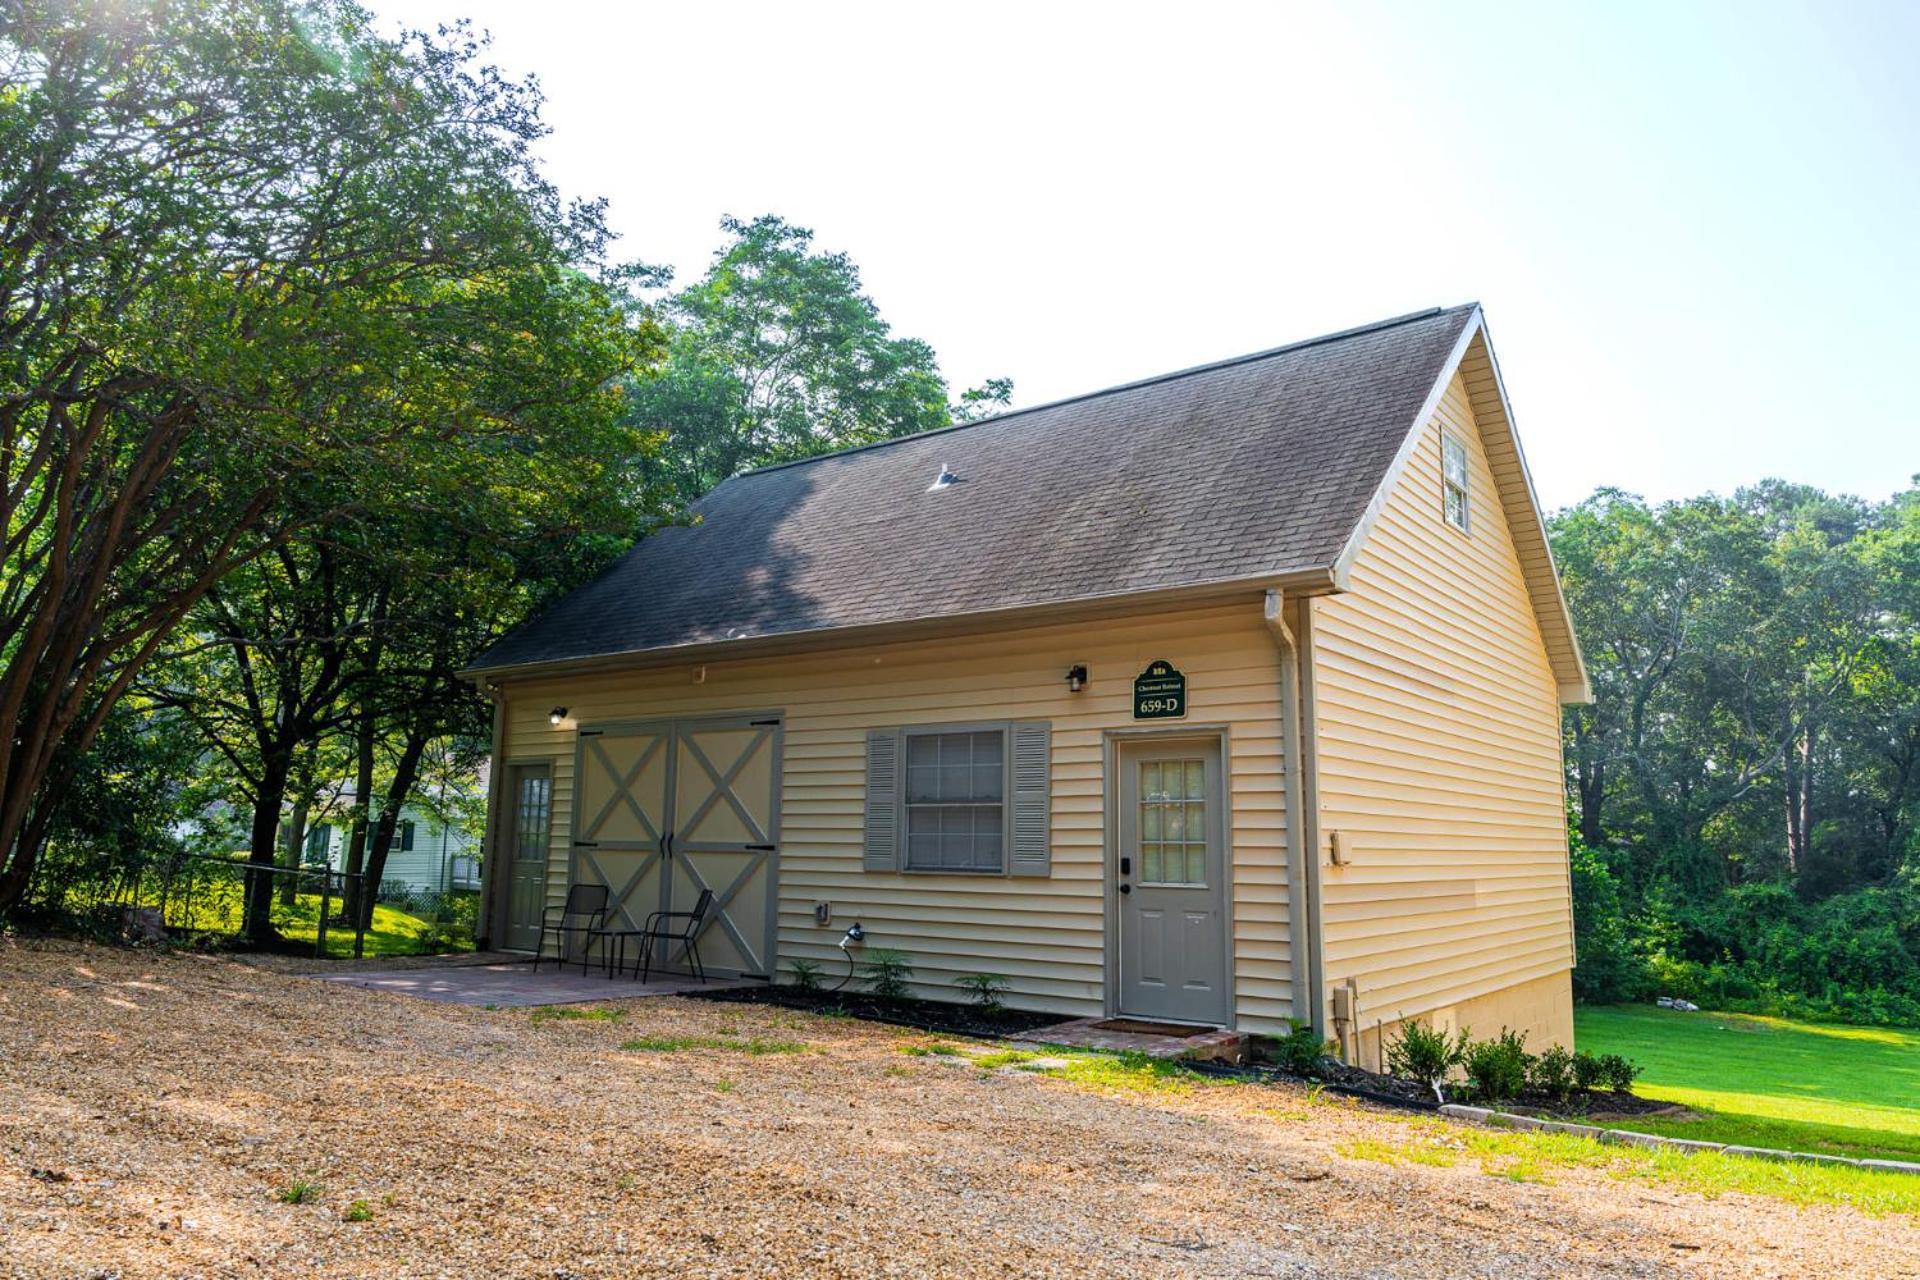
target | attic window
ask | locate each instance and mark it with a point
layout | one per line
(1453, 481)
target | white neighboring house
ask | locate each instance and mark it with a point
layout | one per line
(428, 855)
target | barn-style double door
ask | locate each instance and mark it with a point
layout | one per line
(665, 809)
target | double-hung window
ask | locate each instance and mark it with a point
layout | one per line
(956, 800)
(959, 799)
(1453, 480)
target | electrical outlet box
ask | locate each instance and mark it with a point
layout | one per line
(823, 913)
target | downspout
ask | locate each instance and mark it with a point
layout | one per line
(490, 837)
(1302, 886)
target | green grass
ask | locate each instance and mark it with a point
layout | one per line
(299, 1191)
(1129, 1073)
(1769, 1082)
(1522, 1156)
(574, 1013)
(676, 1044)
(1003, 1058)
(1090, 1068)
(393, 932)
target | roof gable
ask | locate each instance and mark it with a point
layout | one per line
(1473, 359)
(1259, 469)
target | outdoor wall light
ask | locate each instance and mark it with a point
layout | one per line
(556, 716)
(1076, 677)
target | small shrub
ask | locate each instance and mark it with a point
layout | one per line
(985, 989)
(1300, 1050)
(1421, 1053)
(299, 1191)
(1552, 1074)
(1587, 1071)
(886, 972)
(1498, 1068)
(358, 1211)
(1617, 1074)
(806, 975)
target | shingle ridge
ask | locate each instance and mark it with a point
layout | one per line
(1210, 367)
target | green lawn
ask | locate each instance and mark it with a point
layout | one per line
(216, 909)
(1769, 1082)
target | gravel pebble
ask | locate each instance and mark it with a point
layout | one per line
(182, 1094)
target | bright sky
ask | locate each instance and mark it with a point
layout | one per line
(1695, 227)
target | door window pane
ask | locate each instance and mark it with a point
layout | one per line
(534, 803)
(1173, 822)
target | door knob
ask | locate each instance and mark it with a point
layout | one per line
(1126, 888)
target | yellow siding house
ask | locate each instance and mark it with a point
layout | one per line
(1227, 697)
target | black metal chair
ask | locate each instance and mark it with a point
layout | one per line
(585, 913)
(661, 928)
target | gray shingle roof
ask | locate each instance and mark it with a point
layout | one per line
(1253, 466)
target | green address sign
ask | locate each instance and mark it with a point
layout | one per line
(1159, 693)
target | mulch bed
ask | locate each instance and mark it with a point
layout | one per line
(1581, 1107)
(925, 1015)
(1357, 1082)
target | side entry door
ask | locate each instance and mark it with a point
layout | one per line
(531, 795)
(1171, 879)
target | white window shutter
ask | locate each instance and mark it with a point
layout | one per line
(1031, 843)
(882, 849)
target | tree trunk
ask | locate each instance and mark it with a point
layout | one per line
(1796, 759)
(296, 836)
(1589, 779)
(263, 848)
(303, 787)
(362, 802)
(1593, 791)
(406, 771)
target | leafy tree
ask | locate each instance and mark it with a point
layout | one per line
(251, 255)
(1747, 782)
(776, 354)
(1664, 602)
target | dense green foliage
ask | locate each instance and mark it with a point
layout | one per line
(1768, 1082)
(353, 391)
(1745, 788)
(270, 285)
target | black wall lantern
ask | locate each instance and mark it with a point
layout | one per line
(1076, 677)
(556, 716)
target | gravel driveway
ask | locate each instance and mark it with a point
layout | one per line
(152, 1108)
